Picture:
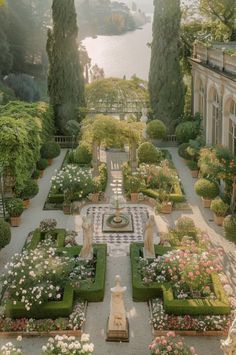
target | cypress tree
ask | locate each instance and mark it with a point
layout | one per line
(166, 86)
(65, 78)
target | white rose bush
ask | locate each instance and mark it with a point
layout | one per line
(68, 345)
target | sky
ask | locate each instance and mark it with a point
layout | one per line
(147, 5)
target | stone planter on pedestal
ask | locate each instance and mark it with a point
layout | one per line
(206, 202)
(15, 221)
(219, 220)
(134, 197)
(26, 203)
(95, 197)
(166, 207)
(194, 173)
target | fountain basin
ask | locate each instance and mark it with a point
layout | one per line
(112, 224)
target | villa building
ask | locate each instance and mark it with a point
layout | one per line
(214, 91)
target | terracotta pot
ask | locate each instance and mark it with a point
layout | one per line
(95, 197)
(66, 208)
(15, 221)
(134, 197)
(26, 203)
(41, 173)
(206, 202)
(166, 208)
(219, 220)
(50, 162)
(194, 173)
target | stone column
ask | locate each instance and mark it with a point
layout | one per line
(229, 345)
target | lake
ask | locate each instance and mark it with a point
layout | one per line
(126, 54)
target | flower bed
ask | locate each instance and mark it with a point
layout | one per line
(202, 325)
(170, 344)
(71, 325)
(43, 281)
(163, 286)
(74, 182)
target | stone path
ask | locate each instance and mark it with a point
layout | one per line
(140, 332)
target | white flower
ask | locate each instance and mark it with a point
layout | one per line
(84, 337)
(19, 338)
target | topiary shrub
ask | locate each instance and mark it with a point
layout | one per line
(206, 189)
(82, 155)
(230, 227)
(156, 129)
(5, 233)
(35, 174)
(50, 150)
(192, 165)
(186, 131)
(30, 190)
(42, 164)
(148, 153)
(219, 207)
(182, 150)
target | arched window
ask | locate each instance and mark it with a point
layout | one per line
(232, 127)
(216, 119)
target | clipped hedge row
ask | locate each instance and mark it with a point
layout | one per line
(177, 196)
(142, 292)
(92, 292)
(51, 309)
(38, 236)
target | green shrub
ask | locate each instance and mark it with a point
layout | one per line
(134, 184)
(30, 190)
(192, 165)
(5, 233)
(35, 174)
(230, 227)
(219, 207)
(206, 188)
(148, 153)
(182, 150)
(50, 150)
(186, 131)
(15, 207)
(156, 129)
(42, 164)
(82, 155)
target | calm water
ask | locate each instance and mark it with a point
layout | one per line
(127, 54)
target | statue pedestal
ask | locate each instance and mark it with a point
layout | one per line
(148, 255)
(120, 335)
(87, 257)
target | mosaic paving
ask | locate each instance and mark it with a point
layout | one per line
(139, 215)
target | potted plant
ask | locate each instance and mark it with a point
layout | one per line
(134, 184)
(36, 174)
(207, 190)
(15, 208)
(220, 208)
(5, 233)
(192, 165)
(50, 150)
(42, 164)
(164, 205)
(30, 190)
(230, 227)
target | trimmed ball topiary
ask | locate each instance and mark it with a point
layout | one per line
(186, 131)
(219, 207)
(42, 164)
(50, 150)
(156, 129)
(230, 227)
(148, 153)
(30, 190)
(82, 155)
(206, 189)
(5, 233)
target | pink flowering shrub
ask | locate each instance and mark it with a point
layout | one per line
(170, 345)
(186, 270)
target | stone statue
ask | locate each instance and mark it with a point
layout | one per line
(229, 345)
(144, 120)
(149, 250)
(87, 249)
(117, 322)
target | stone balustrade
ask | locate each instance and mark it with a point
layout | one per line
(216, 56)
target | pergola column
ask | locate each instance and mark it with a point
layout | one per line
(95, 159)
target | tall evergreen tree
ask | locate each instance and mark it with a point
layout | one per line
(165, 77)
(65, 78)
